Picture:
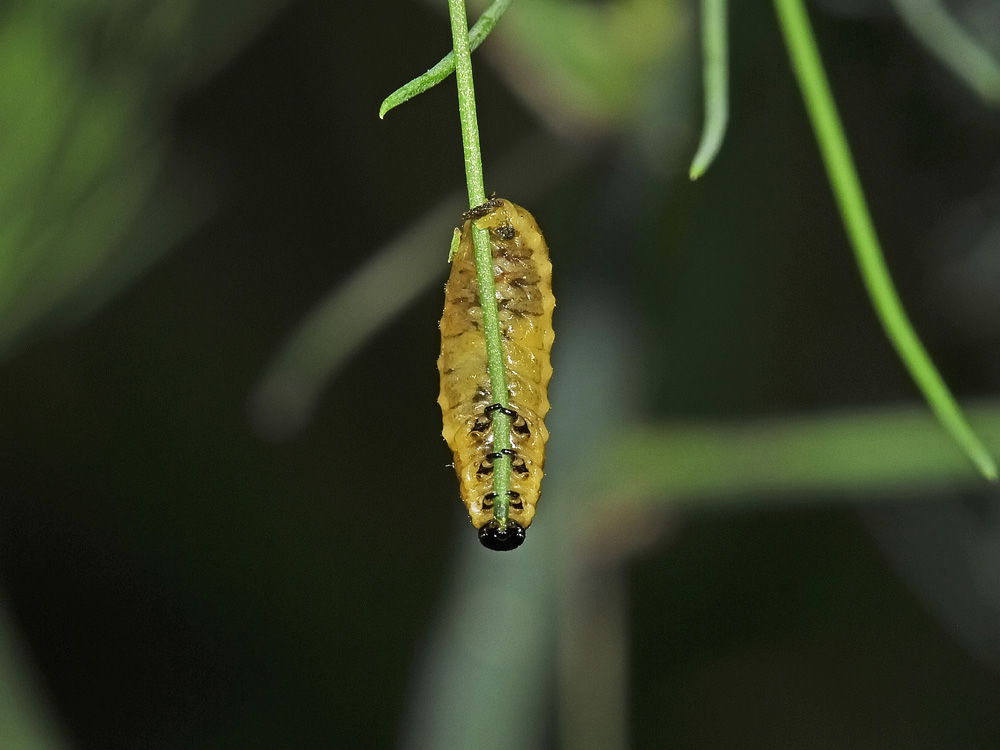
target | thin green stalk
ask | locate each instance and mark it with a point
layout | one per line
(863, 455)
(939, 31)
(715, 81)
(484, 256)
(434, 76)
(854, 211)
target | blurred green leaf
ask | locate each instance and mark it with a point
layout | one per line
(889, 450)
(956, 49)
(25, 723)
(286, 396)
(601, 69)
(84, 92)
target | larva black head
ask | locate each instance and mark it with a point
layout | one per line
(501, 541)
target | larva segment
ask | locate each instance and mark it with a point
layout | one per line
(523, 281)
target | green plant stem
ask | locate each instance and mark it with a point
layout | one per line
(857, 220)
(939, 31)
(434, 76)
(860, 456)
(484, 255)
(715, 81)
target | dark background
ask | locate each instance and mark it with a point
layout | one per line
(178, 581)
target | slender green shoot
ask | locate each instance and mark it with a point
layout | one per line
(857, 220)
(456, 238)
(715, 81)
(484, 256)
(933, 24)
(434, 76)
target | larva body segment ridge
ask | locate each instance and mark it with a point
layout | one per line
(523, 283)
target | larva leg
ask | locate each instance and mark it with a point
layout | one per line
(515, 498)
(517, 423)
(520, 425)
(483, 424)
(503, 409)
(516, 462)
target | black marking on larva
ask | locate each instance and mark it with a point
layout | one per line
(484, 209)
(483, 423)
(515, 497)
(517, 423)
(516, 462)
(520, 426)
(486, 467)
(501, 408)
(506, 231)
(502, 452)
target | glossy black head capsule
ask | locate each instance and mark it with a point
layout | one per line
(492, 537)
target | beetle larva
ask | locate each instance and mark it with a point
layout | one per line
(523, 280)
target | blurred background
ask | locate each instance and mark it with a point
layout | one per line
(227, 516)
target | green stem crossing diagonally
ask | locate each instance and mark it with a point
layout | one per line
(861, 231)
(434, 76)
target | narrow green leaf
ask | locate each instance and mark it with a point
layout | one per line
(456, 237)
(871, 454)
(715, 81)
(284, 400)
(434, 76)
(937, 29)
(857, 220)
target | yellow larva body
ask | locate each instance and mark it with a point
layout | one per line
(523, 279)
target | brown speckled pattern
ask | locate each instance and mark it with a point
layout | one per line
(523, 278)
